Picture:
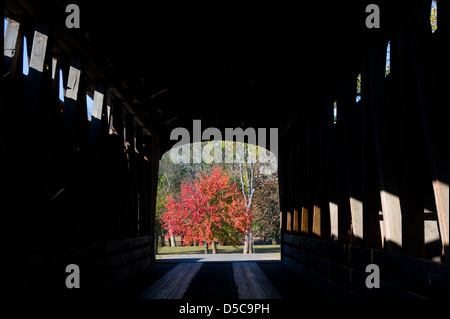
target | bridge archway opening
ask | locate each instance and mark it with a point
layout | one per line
(251, 172)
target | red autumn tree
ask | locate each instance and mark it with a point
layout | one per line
(207, 210)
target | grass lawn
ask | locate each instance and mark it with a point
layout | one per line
(189, 250)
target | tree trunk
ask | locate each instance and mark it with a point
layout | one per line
(214, 247)
(246, 244)
(173, 242)
(251, 248)
(206, 248)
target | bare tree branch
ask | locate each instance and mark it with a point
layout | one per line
(242, 182)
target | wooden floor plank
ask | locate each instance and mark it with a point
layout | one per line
(268, 288)
(182, 287)
(173, 282)
(255, 287)
(150, 292)
(250, 280)
(240, 281)
(252, 283)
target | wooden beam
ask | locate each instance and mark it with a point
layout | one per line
(38, 50)
(10, 40)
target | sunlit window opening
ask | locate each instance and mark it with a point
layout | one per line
(387, 70)
(335, 112)
(26, 67)
(61, 86)
(89, 106)
(433, 16)
(358, 88)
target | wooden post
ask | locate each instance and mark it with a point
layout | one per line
(290, 179)
(330, 151)
(306, 189)
(298, 180)
(432, 86)
(296, 222)
(130, 191)
(2, 9)
(317, 227)
(155, 157)
(289, 222)
(351, 124)
(119, 157)
(305, 223)
(334, 221)
(316, 170)
(33, 192)
(4, 234)
(385, 135)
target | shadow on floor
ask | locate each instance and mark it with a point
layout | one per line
(215, 281)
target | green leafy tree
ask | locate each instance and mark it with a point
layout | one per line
(433, 16)
(266, 209)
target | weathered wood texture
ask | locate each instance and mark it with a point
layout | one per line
(252, 283)
(74, 188)
(101, 265)
(173, 284)
(338, 266)
(385, 191)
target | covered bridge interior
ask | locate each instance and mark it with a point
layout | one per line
(363, 173)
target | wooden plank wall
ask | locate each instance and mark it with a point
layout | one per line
(376, 181)
(75, 187)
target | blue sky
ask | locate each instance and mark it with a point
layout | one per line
(89, 104)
